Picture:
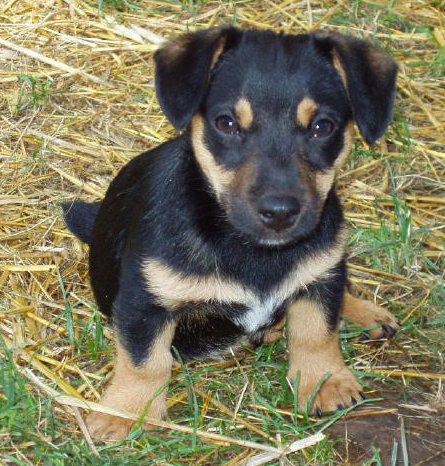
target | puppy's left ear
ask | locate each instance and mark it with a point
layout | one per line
(183, 69)
(369, 75)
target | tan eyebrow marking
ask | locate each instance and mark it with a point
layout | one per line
(244, 113)
(305, 111)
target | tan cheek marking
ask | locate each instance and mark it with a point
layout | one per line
(324, 180)
(244, 177)
(219, 177)
(244, 113)
(132, 387)
(305, 111)
(174, 288)
(348, 136)
(307, 177)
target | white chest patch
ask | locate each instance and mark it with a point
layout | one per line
(258, 315)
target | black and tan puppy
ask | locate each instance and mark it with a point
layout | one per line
(212, 238)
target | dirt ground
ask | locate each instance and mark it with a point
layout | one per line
(404, 417)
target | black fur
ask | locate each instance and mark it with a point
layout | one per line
(371, 81)
(80, 217)
(162, 205)
(190, 58)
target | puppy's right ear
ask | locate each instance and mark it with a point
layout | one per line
(183, 69)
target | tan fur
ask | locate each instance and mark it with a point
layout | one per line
(307, 176)
(367, 314)
(273, 333)
(379, 60)
(305, 111)
(244, 177)
(176, 46)
(314, 351)
(218, 50)
(132, 388)
(324, 180)
(313, 268)
(218, 176)
(348, 137)
(339, 67)
(173, 288)
(244, 113)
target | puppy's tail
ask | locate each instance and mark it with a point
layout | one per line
(80, 217)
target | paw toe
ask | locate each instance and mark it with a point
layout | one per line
(106, 428)
(337, 394)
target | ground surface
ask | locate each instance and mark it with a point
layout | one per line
(76, 103)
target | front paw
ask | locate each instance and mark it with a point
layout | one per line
(337, 392)
(106, 427)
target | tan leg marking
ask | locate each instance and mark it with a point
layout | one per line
(132, 387)
(274, 332)
(244, 113)
(305, 111)
(218, 176)
(314, 351)
(368, 314)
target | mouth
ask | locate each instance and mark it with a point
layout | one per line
(246, 219)
(259, 235)
(273, 243)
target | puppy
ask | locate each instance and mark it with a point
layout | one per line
(213, 238)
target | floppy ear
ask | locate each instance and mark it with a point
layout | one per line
(369, 75)
(183, 69)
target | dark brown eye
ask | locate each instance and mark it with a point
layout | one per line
(321, 128)
(226, 124)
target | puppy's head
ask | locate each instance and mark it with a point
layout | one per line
(270, 118)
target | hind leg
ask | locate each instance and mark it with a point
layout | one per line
(367, 314)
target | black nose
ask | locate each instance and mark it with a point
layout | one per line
(278, 212)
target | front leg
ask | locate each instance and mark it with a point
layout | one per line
(314, 348)
(144, 333)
